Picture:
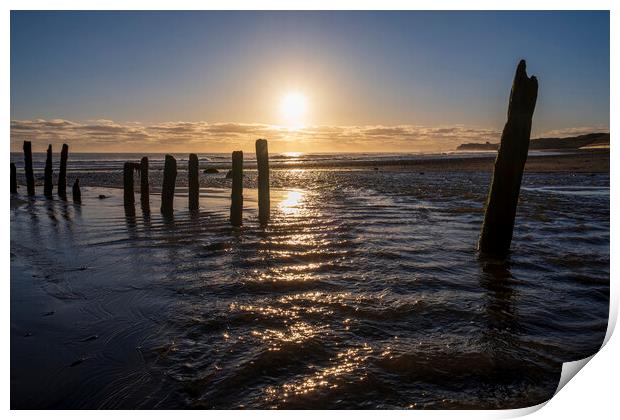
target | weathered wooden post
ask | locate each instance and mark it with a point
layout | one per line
(262, 162)
(503, 196)
(167, 189)
(13, 178)
(62, 173)
(236, 197)
(194, 186)
(48, 186)
(28, 167)
(77, 194)
(144, 183)
(128, 196)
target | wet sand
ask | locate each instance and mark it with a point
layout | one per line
(592, 161)
(585, 160)
(364, 291)
(83, 320)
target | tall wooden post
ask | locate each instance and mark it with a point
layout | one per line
(28, 167)
(167, 189)
(62, 174)
(128, 195)
(194, 185)
(503, 196)
(144, 183)
(236, 197)
(77, 194)
(48, 186)
(13, 178)
(262, 161)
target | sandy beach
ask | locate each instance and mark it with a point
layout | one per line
(590, 160)
(94, 174)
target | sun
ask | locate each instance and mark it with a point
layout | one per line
(293, 109)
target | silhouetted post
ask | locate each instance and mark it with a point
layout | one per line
(62, 174)
(128, 196)
(503, 196)
(167, 189)
(262, 162)
(28, 167)
(194, 186)
(48, 186)
(144, 183)
(13, 178)
(77, 194)
(236, 197)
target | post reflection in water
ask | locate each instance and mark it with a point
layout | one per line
(499, 332)
(146, 209)
(515, 363)
(65, 209)
(496, 278)
(51, 210)
(130, 221)
(132, 231)
(78, 210)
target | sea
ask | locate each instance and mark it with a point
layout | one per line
(365, 290)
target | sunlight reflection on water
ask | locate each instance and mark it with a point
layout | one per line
(347, 362)
(292, 204)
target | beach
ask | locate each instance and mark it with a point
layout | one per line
(364, 291)
(106, 169)
(307, 209)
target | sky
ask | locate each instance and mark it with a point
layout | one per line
(307, 81)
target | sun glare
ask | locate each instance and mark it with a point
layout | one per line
(293, 108)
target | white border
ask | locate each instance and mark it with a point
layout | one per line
(592, 394)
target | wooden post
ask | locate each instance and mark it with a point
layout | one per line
(48, 186)
(144, 183)
(194, 185)
(262, 162)
(13, 178)
(503, 196)
(28, 167)
(62, 174)
(128, 196)
(167, 189)
(77, 194)
(236, 197)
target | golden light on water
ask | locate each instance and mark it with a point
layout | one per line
(349, 363)
(293, 154)
(297, 311)
(298, 332)
(292, 203)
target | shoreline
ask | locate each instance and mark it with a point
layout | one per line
(594, 160)
(591, 161)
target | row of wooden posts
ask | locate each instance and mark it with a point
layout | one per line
(48, 184)
(168, 186)
(500, 209)
(169, 182)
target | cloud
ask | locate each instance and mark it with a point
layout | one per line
(575, 131)
(201, 136)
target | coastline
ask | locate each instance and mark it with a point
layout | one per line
(579, 161)
(592, 160)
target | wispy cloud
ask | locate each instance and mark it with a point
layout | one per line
(574, 131)
(200, 136)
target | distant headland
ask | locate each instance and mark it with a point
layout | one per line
(592, 140)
